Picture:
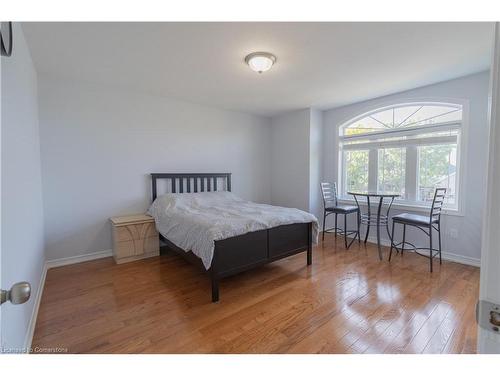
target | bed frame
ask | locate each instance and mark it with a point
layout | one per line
(236, 254)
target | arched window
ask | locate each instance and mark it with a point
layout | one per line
(407, 148)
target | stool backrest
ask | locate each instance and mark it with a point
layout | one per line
(437, 203)
(329, 192)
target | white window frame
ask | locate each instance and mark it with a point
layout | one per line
(410, 203)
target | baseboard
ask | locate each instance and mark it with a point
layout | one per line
(461, 259)
(78, 259)
(36, 306)
(383, 241)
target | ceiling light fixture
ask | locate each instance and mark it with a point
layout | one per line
(260, 61)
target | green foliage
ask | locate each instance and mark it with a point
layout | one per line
(357, 170)
(391, 170)
(435, 164)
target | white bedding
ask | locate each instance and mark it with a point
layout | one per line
(194, 221)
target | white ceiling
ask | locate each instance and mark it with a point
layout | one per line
(323, 65)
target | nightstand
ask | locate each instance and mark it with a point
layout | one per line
(134, 237)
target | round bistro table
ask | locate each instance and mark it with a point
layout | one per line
(370, 219)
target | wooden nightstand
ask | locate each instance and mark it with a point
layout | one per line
(134, 237)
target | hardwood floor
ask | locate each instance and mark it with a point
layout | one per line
(346, 302)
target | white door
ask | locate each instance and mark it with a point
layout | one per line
(488, 335)
(11, 258)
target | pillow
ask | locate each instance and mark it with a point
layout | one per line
(172, 200)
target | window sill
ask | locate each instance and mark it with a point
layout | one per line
(408, 207)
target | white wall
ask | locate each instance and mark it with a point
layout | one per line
(290, 160)
(296, 152)
(474, 89)
(22, 255)
(316, 163)
(99, 146)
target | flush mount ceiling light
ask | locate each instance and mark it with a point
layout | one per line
(260, 61)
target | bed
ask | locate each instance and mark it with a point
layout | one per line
(244, 233)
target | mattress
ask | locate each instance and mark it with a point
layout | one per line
(194, 221)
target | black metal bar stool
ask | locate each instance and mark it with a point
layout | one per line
(331, 206)
(426, 224)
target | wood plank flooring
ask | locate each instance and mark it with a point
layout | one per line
(346, 302)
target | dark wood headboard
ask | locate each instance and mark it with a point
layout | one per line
(191, 182)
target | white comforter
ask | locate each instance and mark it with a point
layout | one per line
(194, 221)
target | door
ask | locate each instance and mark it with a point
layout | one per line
(489, 309)
(20, 292)
(22, 253)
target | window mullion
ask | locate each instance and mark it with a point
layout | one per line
(343, 174)
(411, 173)
(372, 169)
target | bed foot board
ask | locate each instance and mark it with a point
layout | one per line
(237, 254)
(309, 244)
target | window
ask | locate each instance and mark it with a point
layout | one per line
(408, 149)
(391, 170)
(437, 166)
(356, 162)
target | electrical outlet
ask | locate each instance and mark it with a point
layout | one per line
(453, 233)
